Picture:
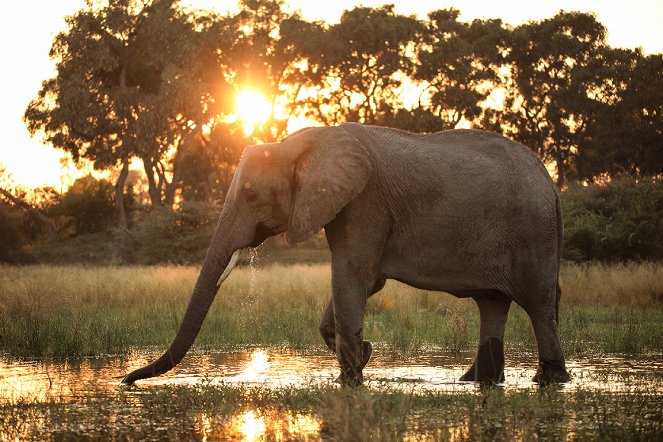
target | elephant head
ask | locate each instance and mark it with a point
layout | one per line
(298, 186)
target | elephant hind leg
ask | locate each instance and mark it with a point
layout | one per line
(488, 366)
(552, 367)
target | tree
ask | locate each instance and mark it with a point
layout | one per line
(6, 182)
(356, 69)
(547, 103)
(133, 80)
(87, 204)
(626, 134)
(259, 58)
(460, 66)
(208, 167)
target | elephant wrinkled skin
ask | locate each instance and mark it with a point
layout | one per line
(467, 212)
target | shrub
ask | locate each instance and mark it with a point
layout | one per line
(17, 230)
(88, 205)
(618, 221)
(177, 236)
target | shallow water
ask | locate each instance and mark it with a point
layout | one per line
(128, 412)
(431, 369)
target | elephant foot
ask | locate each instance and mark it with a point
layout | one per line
(348, 380)
(551, 372)
(488, 366)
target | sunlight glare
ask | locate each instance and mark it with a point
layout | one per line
(252, 426)
(258, 365)
(252, 108)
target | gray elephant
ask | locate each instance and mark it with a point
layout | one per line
(467, 212)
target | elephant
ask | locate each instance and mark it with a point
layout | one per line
(462, 211)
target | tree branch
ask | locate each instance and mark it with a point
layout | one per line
(34, 212)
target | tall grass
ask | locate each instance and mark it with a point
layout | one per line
(328, 413)
(78, 310)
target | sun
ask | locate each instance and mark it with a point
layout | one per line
(252, 108)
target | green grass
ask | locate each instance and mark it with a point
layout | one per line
(328, 413)
(63, 311)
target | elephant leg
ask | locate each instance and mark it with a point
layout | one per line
(552, 367)
(328, 333)
(349, 304)
(488, 366)
(328, 329)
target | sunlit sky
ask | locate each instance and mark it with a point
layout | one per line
(27, 29)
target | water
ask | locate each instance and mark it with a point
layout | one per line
(83, 382)
(433, 370)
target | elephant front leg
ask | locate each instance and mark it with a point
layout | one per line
(488, 366)
(349, 305)
(328, 333)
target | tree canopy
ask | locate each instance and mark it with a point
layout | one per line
(151, 81)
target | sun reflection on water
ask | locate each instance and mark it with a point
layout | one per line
(252, 426)
(259, 364)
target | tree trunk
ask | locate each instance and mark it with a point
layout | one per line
(123, 222)
(561, 169)
(35, 213)
(184, 146)
(122, 249)
(153, 190)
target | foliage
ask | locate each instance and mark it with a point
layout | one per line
(177, 236)
(620, 220)
(356, 68)
(132, 81)
(549, 63)
(626, 135)
(88, 204)
(154, 81)
(460, 66)
(208, 166)
(15, 233)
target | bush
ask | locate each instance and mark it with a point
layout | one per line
(88, 205)
(179, 236)
(16, 231)
(618, 221)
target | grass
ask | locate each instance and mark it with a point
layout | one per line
(73, 311)
(328, 413)
(63, 311)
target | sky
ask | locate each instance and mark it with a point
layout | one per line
(27, 29)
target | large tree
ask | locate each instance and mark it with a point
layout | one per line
(626, 132)
(261, 59)
(135, 79)
(460, 66)
(551, 84)
(356, 69)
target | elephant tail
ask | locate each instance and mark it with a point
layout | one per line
(560, 236)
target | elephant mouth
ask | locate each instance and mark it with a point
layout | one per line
(261, 234)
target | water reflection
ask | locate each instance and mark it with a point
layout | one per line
(435, 370)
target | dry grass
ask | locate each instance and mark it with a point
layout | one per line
(76, 310)
(602, 285)
(42, 287)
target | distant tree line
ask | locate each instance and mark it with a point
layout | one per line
(153, 81)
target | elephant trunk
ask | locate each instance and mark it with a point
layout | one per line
(217, 266)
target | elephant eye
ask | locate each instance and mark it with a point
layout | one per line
(251, 196)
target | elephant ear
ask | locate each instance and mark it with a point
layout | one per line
(331, 169)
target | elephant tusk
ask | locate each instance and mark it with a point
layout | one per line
(229, 268)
